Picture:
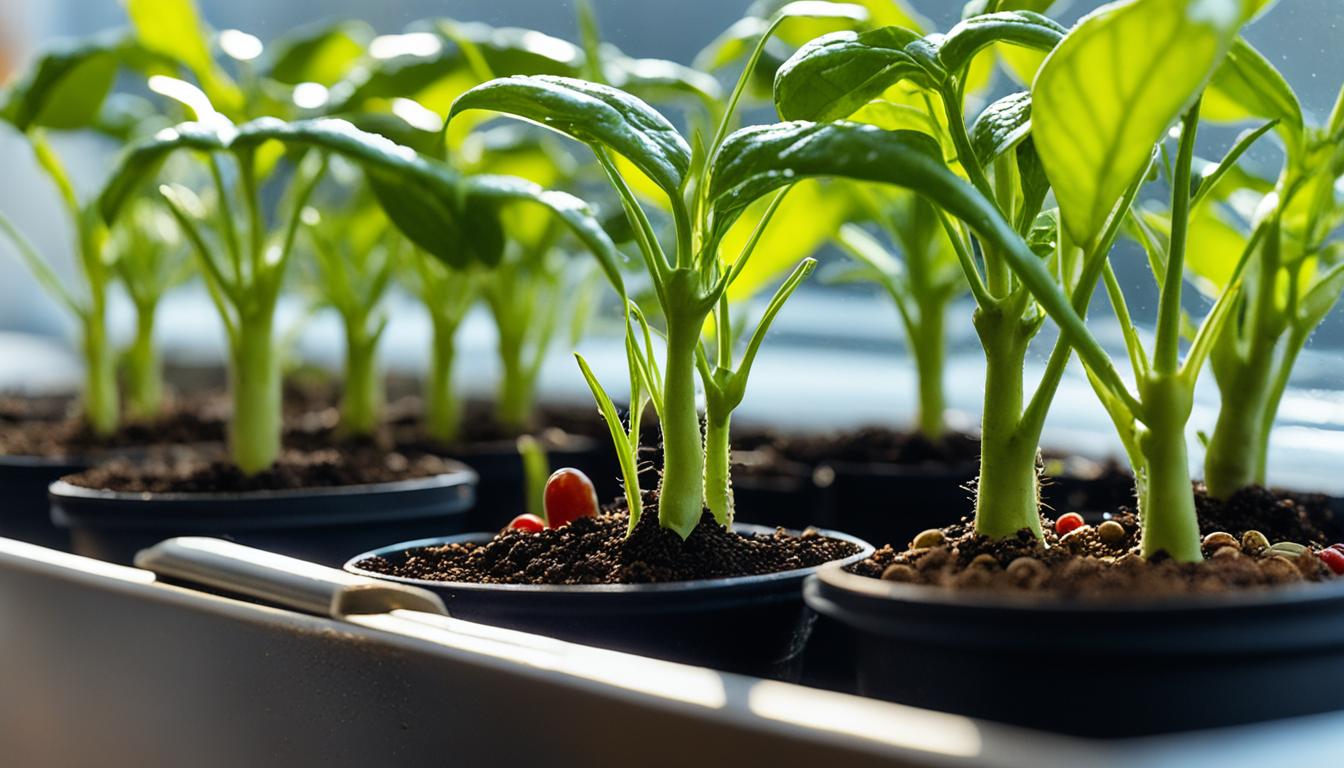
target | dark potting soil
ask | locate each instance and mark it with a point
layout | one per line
(193, 472)
(864, 446)
(595, 550)
(1102, 561)
(182, 423)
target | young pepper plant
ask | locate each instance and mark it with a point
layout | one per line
(689, 277)
(245, 265)
(1294, 277)
(353, 263)
(843, 75)
(1095, 127)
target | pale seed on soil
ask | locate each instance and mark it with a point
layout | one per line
(1111, 532)
(929, 538)
(1254, 541)
(1219, 539)
(900, 572)
(984, 561)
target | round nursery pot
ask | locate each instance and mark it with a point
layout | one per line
(755, 625)
(500, 487)
(323, 525)
(1089, 668)
(25, 513)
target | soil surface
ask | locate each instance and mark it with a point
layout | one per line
(184, 422)
(1103, 561)
(595, 550)
(864, 445)
(191, 472)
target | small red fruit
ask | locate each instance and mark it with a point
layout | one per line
(1337, 546)
(527, 523)
(569, 495)
(1068, 522)
(1333, 559)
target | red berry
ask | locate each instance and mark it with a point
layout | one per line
(527, 523)
(569, 496)
(1337, 546)
(1333, 559)
(1068, 522)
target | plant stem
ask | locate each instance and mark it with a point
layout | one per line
(100, 377)
(1167, 504)
(362, 400)
(144, 371)
(718, 465)
(681, 494)
(1232, 457)
(254, 432)
(1007, 492)
(513, 406)
(928, 347)
(443, 417)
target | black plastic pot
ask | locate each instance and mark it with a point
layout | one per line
(500, 488)
(25, 513)
(789, 495)
(1094, 669)
(755, 625)
(323, 525)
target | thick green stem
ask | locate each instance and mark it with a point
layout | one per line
(443, 415)
(362, 400)
(718, 466)
(514, 402)
(1008, 491)
(1167, 505)
(144, 370)
(681, 494)
(1232, 459)
(254, 433)
(100, 379)
(929, 354)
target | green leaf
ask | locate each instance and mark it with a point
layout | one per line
(756, 161)
(806, 20)
(173, 28)
(657, 80)
(67, 86)
(805, 221)
(833, 76)
(1025, 29)
(323, 53)
(598, 115)
(1111, 90)
(1245, 87)
(1001, 126)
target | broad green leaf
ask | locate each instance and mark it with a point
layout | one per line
(1024, 29)
(806, 220)
(1111, 90)
(657, 80)
(67, 86)
(756, 161)
(799, 22)
(598, 115)
(1246, 87)
(1001, 126)
(173, 28)
(833, 76)
(322, 54)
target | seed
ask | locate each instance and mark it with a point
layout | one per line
(1333, 559)
(1111, 532)
(984, 560)
(527, 523)
(1219, 539)
(1288, 549)
(1068, 523)
(930, 538)
(1226, 553)
(1254, 541)
(1075, 539)
(569, 495)
(900, 572)
(1280, 568)
(1027, 570)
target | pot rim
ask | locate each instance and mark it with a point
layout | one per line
(834, 576)
(729, 582)
(457, 474)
